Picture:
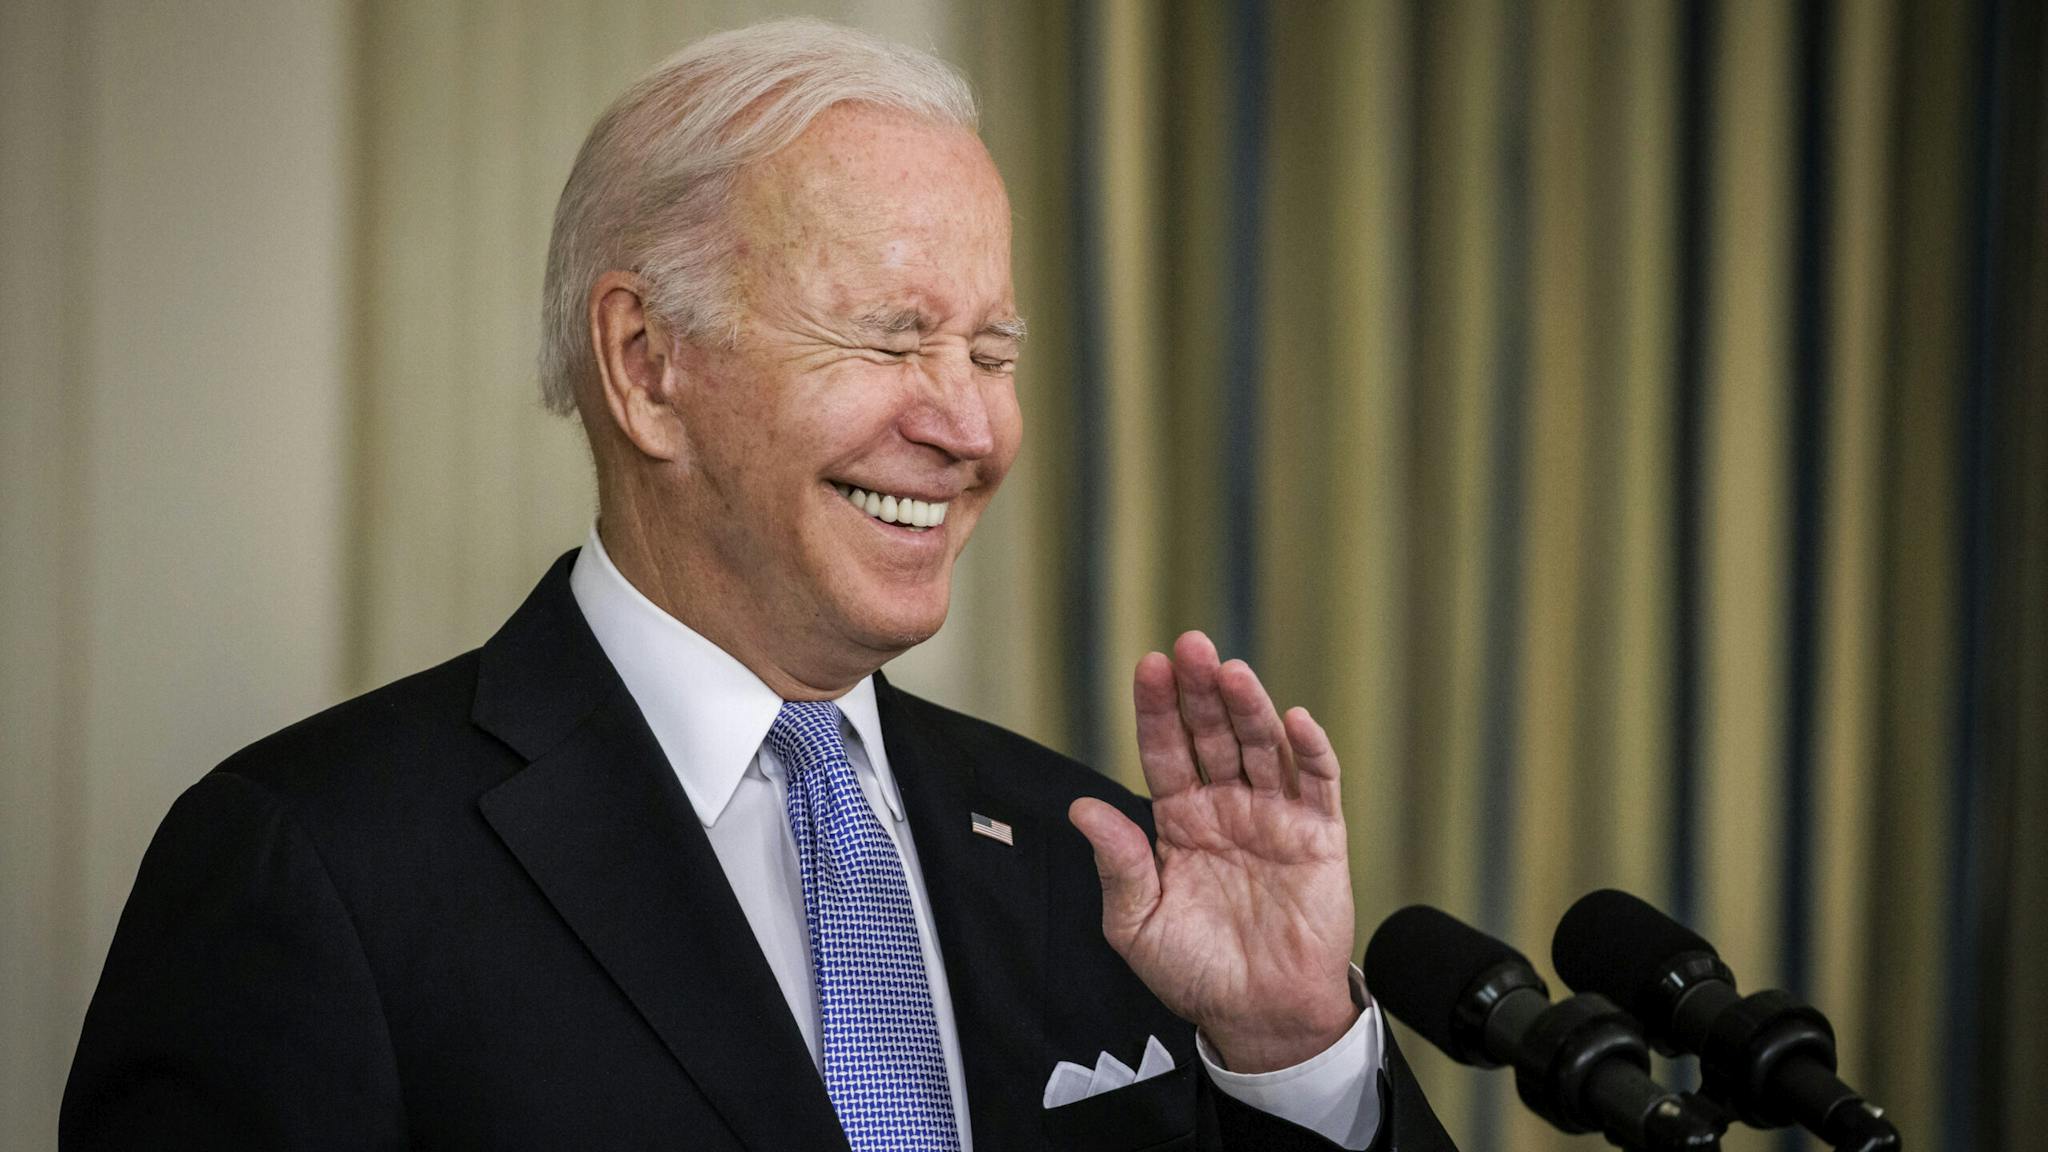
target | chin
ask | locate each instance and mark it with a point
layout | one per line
(900, 629)
(903, 634)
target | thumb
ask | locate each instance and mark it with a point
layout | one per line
(1123, 859)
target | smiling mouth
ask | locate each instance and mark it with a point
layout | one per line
(916, 515)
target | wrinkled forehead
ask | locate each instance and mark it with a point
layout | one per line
(878, 186)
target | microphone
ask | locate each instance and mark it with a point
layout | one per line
(1768, 1056)
(1580, 1064)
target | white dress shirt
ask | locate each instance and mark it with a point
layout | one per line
(711, 716)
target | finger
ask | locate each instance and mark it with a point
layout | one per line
(1201, 707)
(1123, 860)
(1262, 742)
(1317, 773)
(1163, 748)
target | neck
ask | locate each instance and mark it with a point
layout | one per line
(708, 602)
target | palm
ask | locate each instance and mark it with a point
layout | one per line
(1241, 918)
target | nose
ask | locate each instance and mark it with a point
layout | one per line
(952, 412)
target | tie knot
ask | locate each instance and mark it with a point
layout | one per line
(805, 735)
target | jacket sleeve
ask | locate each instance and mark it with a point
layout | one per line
(236, 1008)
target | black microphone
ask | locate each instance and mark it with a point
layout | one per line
(1768, 1056)
(1580, 1064)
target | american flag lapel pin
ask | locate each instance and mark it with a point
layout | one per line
(993, 829)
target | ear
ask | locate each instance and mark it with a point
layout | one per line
(636, 371)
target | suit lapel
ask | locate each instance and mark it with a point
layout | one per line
(988, 902)
(599, 821)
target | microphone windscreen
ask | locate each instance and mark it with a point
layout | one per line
(1618, 946)
(1421, 960)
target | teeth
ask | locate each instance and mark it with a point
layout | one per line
(916, 514)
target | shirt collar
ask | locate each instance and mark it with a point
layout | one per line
(709, 712)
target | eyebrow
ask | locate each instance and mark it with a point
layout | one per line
(896, 321)
(1012, 329)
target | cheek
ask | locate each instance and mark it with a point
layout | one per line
(855, 408)
(812, 420)
(847, 417)
(726, 416)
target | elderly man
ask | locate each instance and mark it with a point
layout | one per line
(667, 863)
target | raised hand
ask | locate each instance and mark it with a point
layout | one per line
(1241, 919)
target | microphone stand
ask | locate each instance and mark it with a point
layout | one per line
(1772, 1035)
(1582, 1058)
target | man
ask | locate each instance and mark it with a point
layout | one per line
(667, 863)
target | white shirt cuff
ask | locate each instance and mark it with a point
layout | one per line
(1334, 1093)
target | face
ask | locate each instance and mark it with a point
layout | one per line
(877, 340)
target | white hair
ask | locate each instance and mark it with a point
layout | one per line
(651, 186)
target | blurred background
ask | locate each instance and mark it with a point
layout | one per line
(1625, 424)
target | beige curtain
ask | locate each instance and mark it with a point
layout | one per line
(173, 313)
(1620, 422)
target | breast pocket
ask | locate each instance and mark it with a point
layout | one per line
(1155, 1115)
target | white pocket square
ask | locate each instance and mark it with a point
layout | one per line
(1071, 1081)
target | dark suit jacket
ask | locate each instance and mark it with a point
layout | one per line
(474, 909)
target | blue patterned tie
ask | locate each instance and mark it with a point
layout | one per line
(884, 1069)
